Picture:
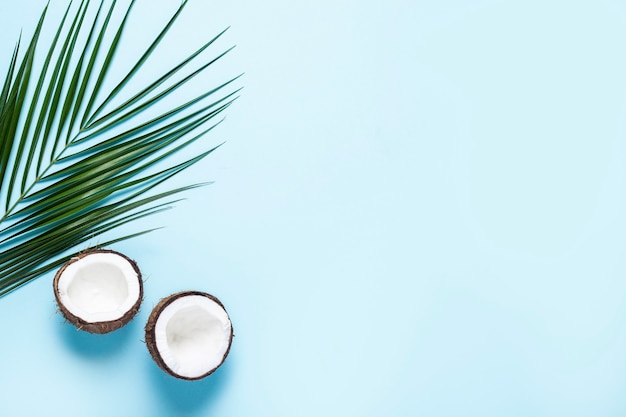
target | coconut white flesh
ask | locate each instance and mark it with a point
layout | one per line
(192, 335)
(99, 287)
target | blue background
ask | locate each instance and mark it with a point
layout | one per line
(418, 211)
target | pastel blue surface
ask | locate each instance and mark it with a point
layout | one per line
(419, 211)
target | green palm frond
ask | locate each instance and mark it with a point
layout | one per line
(74, 163)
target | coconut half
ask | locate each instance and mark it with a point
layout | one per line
(99, 291)
(189, 334)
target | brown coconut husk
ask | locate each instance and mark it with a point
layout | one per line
(101, 327)
(151, 337)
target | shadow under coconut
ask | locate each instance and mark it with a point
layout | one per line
(98, 345)
(188, 396)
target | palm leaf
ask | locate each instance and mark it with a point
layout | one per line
(75, 166)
